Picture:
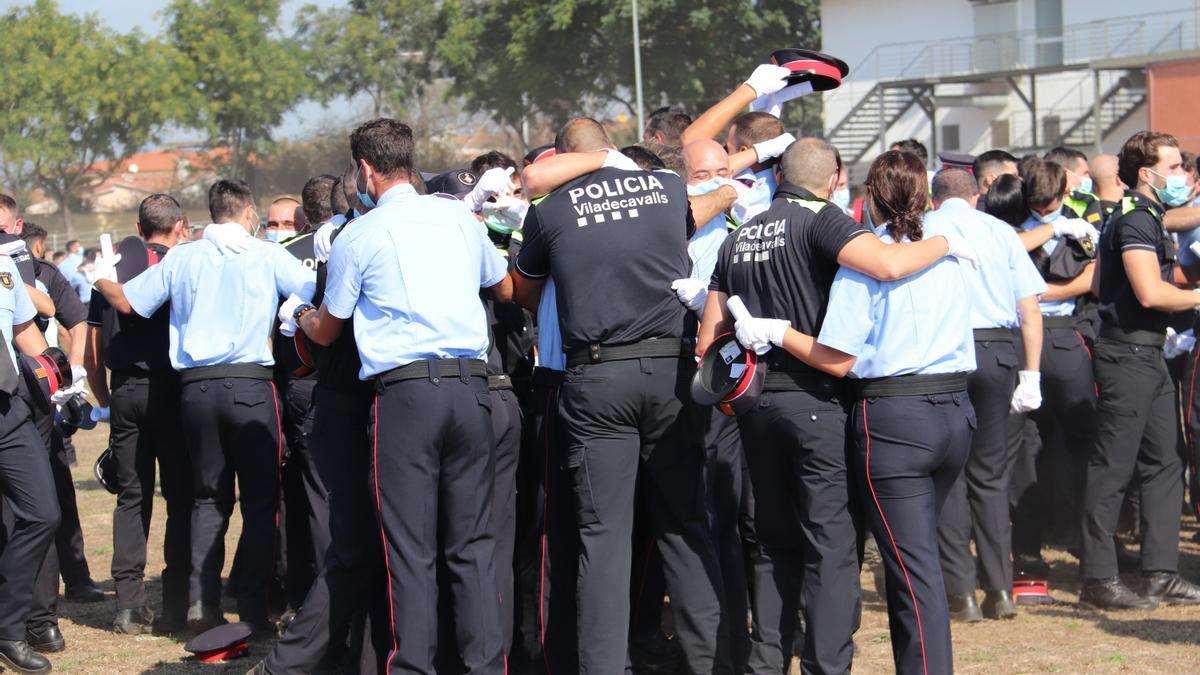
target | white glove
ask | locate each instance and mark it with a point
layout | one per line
(750, 201)
(100, 414)
(1028, 395)
(78, 374)
(1075, 228)
(494, 181)
(773, 103)
(774, 147)
(693, 293)
(615, 159)
(1178, 344)
(1195, 248)
(768, 79)
(287, 321)
(105, 268)
(229, 238)
(323, 239)
(962, 249)
(65, 394)
(761, 334)
(509, 211)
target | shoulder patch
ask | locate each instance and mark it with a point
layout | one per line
(6, 280)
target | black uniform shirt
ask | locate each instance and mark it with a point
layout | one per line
(782, 262)
(1138, 225)
(614, 241)
(510, 327)
(284, 348)
(129, 341)
(338, 364)
(69, 311)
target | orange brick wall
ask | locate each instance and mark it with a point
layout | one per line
(1172, 90)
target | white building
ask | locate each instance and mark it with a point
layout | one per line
(1024, 75)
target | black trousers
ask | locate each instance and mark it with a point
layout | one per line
(806, 527)
(351, 586)
(1136, 433)
(27, 486)
(909, 451)
(625, 418)
(1068, 412)
(723, 466)
(506, 430)
(977, 504)
(231, 428)
(146, 428)
(433, 469)
(304, 527)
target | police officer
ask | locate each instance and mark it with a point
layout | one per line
(1080, 201)
(409, 272)
(782, 264)
(25, 479)
(222, 308)
(1004, 297)
(1136, 419)
(143, 398)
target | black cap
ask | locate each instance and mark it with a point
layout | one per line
(825, 72)
(957, 160)
(456, 182)
(540, 152)
(45, 374)
(224, 642)
(106, 471)
(728, 376)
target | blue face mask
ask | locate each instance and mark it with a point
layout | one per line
(1085, 184)
(1046, 219)
(366, 200)
(841, 199)
(277, 235)
(1175, 192)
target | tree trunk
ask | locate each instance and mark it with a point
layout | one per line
(66, 213)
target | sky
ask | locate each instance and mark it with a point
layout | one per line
(125, 16)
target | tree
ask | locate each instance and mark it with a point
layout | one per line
(375, 48)
(567, 57)
(245, 74)
(79, 98)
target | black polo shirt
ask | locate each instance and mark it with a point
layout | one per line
(782, 262)
(128, 341)
(1137, 225)
(68, 310)
(283, 347)
(614, 241)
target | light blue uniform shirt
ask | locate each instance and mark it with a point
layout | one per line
(1006, 274)
(15, 305)
(704, 246)
(919, 325)
(223, 307)
(550, 346)
(409, 272)
(1051, 307)
(766, 174)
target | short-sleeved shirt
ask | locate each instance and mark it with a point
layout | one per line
(223, 307)
(129, 341)
(1138, 227)
(705, 245)
(1006, 274)
(68, 310)
(1066, 306)
(549, 338)
(15, 305)
(613, 241)
(782, 262)
(409, 272)
(918, 325)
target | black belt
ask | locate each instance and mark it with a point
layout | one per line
(547, 377)
(812, 382)
(994, 335)
(1059, 322)
(645, 349)
(434, 370)
(1145, 338)
(910, 385)
(498, 382)
(249, 371)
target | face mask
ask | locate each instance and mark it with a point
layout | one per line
(366, 200)
(1175, 192)
(278, 235)
(705, 187)
(841, 199)
(1085, 184)
(1047, 218)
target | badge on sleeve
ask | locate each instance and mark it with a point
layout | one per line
(6, 280)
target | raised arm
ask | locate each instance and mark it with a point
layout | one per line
(888, 262)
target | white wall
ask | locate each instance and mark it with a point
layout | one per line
(851, 29)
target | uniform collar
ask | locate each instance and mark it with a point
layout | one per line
(955, 204)
(788, 189)
(1143, 201)
(396, 192)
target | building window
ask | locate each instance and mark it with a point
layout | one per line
(950, 137)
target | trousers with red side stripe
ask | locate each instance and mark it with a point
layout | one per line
(908, 451)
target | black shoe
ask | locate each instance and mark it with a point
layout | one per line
(998, 605)
(1111, 593)
(1127, 561)
(201, 617)
(133, 621)
(169, 623)
(16, 656)
(85, 592)
(1169, 588)
(285, 620)
(963, 607)
(47, 640)
(1030, 567)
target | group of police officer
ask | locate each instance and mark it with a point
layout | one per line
(467, 398)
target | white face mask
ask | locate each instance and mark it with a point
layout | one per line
(278, 234)
(841, 199)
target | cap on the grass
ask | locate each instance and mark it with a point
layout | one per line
(221, 643)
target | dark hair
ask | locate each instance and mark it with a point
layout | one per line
(33, 232)
(1045, 182)
(492, 159)
(1139, 151)
(988, 159)
(8, 203)
(226, 199)
(317, 198)
(644, 158)
(1006, 200)
(899, 193)
(755, 127)
(337, 198)
(385, 144)
(71, 241)
(158, 214)
(670, 123)
(915, 147)
(1189, 160)
(953, 182)
(1064, 157)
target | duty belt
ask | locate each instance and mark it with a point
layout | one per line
(433, 370)
(646, 349)
(788, 373)
(994, 335)
(498, 382)
(909, 385)
(1059, 322)
(1145, 338)
(249, 371)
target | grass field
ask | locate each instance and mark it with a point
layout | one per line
(1060, 638)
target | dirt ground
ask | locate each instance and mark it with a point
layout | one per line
(1061, 638)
